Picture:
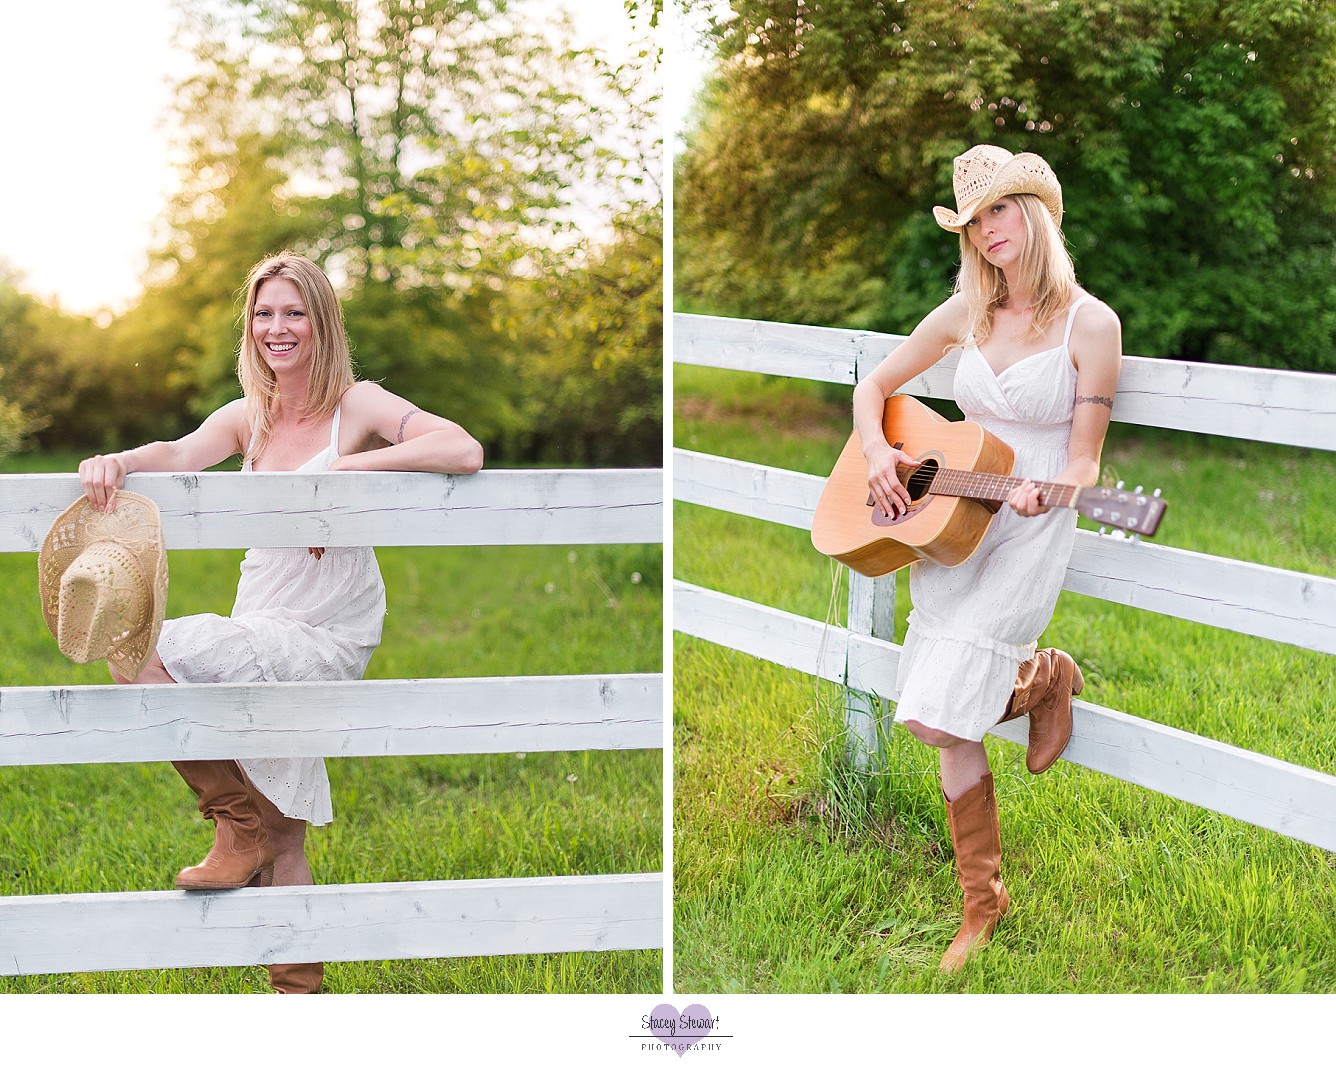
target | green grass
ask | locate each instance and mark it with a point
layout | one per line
(452, 612)
(792, 874)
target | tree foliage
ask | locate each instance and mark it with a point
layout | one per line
(1194, 139)
(52, 367)
(456, 166)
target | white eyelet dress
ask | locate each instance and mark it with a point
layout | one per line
(296, 619)
(973, 625)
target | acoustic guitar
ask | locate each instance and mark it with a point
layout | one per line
(960, 478)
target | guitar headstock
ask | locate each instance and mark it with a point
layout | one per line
(1126, 509)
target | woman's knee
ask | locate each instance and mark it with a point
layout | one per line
(931, 736)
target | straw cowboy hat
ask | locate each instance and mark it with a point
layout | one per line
(987, 172)
(103, 581)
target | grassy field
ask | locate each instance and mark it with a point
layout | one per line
(452, 612)
(794, 875)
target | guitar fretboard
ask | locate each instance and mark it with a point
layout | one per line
(998, 487)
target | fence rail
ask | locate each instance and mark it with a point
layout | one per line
(1276, 406)
(494, 507)
(1295, 409)
(326, 923)
(1250, 598)
(377, 717)
(405, 717)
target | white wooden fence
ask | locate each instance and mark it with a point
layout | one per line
(1299, 609)
(421, 919)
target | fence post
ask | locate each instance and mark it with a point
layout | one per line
(872, 612)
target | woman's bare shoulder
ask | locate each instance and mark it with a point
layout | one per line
(1097, 338)
(367, 399)
(951, 314)
(363, 393)
(1095, 316)
(233, 418)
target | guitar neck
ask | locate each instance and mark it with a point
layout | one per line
(997, 487)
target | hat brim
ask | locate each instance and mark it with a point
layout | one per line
(1025, 173)
(134, 522)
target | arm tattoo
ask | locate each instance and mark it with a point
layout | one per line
(1095, 399)
(404, 421)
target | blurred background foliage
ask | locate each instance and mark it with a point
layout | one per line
(486, 197)
(1195, 141)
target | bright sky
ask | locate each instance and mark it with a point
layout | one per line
(85, 171)
(687, 67)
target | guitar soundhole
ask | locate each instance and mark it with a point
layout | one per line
(918, 482)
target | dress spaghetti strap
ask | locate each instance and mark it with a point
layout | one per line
(334, 428)
(1071, 318)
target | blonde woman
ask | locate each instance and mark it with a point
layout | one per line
(1038, 367)
(301, 613)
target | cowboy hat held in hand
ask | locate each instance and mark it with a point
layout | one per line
(102, 578)
(987, 173)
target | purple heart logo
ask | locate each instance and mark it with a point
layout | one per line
(680, 1031)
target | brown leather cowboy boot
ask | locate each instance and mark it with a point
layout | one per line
(978, 845)
(297, 977)
(1045, 685)
(241, 855)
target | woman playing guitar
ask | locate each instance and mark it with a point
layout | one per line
(1038, 368)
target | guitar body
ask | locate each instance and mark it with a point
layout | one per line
(944, 529)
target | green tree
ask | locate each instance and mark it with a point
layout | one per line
(231, 210)
(588, 329)
(56, 385)
(428, 152)
(1194, 141)
(592, 364)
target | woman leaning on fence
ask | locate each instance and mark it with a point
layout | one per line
(301, 614)
(1038, 368)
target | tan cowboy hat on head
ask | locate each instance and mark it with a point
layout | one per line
(988, 172)
(103, 581)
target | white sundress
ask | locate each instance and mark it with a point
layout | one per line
(973, 625)
(296, 619)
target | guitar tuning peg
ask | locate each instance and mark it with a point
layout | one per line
(1138, 489)
(1156, 493)
(1119, 485)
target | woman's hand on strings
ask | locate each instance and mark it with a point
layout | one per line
(883, 480)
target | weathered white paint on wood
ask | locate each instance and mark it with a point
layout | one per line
(1275, 406)
(1281, 797)
(790, 350)
(1264, 602)
(1271, 405)
(793, 641)
(871, 614)
(330, 923)
(1250, 598)
(746, 488)
(1296, 802)
(375, 718)
(773, 635)
(494, 507)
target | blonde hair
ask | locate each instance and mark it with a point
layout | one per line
(1046, 274)
(331, 370)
